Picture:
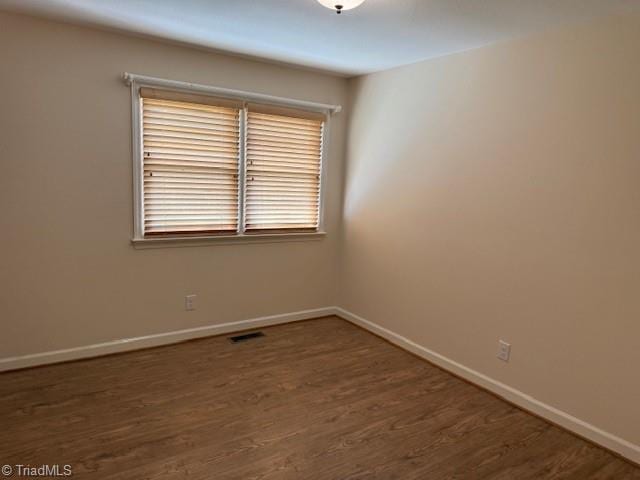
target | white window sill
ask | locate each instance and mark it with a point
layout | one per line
(170, 242)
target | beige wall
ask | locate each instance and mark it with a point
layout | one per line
(68, 274)
(496, 194)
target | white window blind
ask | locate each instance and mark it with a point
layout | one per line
(283, 172)
(190, 167)
(212, 166)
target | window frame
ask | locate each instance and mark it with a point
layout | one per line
(136, 82)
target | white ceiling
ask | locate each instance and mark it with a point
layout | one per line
(378, 35)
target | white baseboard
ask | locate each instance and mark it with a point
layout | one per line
(155, 340)
(521, 399)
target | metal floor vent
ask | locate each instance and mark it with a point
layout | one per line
(245, 336)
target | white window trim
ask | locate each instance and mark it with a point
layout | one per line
(139, 240)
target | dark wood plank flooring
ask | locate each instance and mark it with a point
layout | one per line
(320, 399)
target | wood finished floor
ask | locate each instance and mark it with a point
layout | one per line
(320, 399)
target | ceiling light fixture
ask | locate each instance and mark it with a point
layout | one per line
(340, 5)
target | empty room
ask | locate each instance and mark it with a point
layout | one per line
(320, 239)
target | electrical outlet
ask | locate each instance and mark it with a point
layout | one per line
(504, 350)
(190, 302)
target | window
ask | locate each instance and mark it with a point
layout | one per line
(224, 166)
(283, 172)
(190, 161)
